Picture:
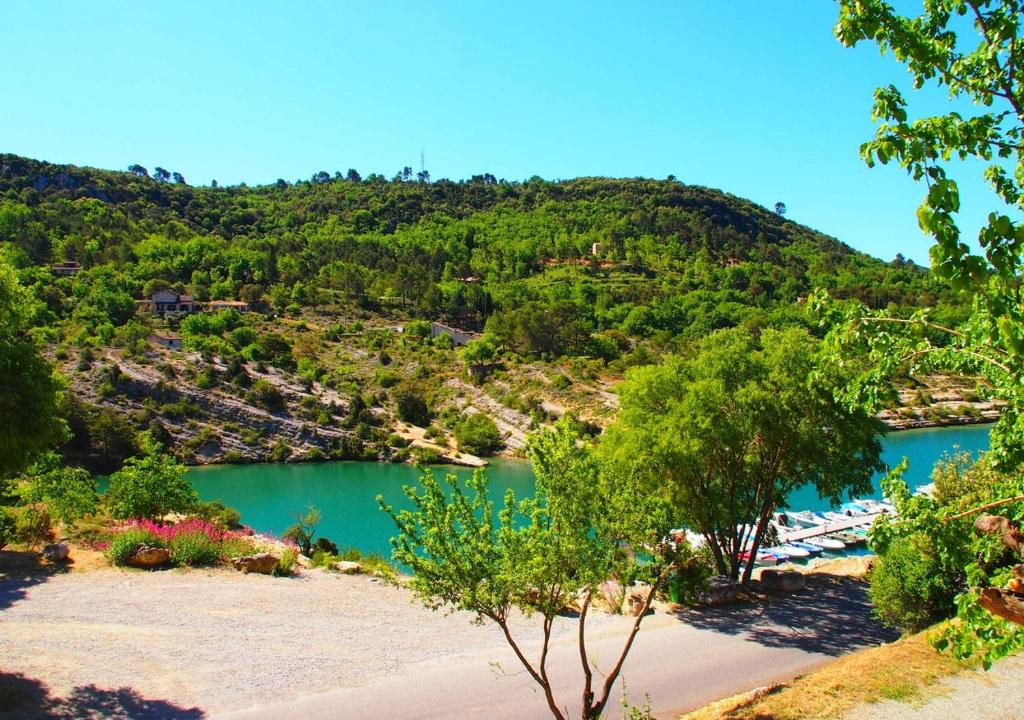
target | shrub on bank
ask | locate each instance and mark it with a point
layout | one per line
(32, 525)
(124, 544)
(194, 542)
(478, 435)
(286, 565)
(149, 486)
(6, 527)
(909, 587)
(195, 549)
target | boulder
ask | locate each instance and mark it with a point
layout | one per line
(635, 603)
(149, 557)
(783, 580)
(57, 552)
(263, 563)
(348, 567)
(719, 590)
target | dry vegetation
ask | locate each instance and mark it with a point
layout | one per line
(897, 671)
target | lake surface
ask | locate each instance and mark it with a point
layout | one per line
(269, 496)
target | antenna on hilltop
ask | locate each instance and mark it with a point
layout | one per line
(423, 162)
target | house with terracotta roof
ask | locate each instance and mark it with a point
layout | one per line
(236, 305)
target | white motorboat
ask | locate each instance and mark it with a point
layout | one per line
(807, 519)
(794, 551)
(826, 542)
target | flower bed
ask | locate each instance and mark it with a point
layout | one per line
(192, 542)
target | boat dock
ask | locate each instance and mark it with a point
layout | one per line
(852, 522)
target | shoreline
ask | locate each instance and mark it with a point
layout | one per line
(892, 426)
(901, 424)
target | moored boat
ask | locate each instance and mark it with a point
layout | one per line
(826, 542)
(804, 545)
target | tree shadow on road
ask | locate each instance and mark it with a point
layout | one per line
(831, 616)
(20, 570)
(25, 698)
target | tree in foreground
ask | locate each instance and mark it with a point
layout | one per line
(68, 492)
(972, 49)
(541, 555)
(30, 392)
(150, 486)
(733, 430)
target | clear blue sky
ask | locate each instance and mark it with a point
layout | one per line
(755, 98)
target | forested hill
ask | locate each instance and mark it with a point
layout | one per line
(674, 259)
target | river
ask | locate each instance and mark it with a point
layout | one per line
(269, 496)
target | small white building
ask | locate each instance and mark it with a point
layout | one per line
(169, 340)
(459, 337)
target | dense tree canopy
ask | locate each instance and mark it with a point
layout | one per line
(731, 431)
(673, 259)
(972, 49)
(29, 390)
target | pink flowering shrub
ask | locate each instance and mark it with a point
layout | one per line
(193, 541)
(172, 530)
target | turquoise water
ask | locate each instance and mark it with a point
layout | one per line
(269, 496)
(921, 447)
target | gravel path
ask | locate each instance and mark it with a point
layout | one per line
(994, 695)
(218, 639)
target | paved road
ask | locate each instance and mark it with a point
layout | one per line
(680, 662)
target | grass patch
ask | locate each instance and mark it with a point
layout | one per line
(898, 671)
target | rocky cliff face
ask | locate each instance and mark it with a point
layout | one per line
(213, 425)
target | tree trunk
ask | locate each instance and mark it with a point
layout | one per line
(762, 524)
(716, 553)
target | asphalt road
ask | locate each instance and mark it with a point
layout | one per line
(679, 661)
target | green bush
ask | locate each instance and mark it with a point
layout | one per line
(322, 544)
(322, 559)
(7, 527)
(68, 493)
(561, 382)
(286, 565)
(267, 396)
(149, 487)
(281, 451)
(373, 563)
(124, 544)
(232, 547)
(425, 456)
(478, 435)
(688, 580)
(412, 406)
(386, 378)
(194, 549)
(32, 525)
(216, 512)
(910, 589)
(304, 529)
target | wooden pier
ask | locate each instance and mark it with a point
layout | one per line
(831, 527)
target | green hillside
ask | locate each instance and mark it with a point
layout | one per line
(330, 265)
